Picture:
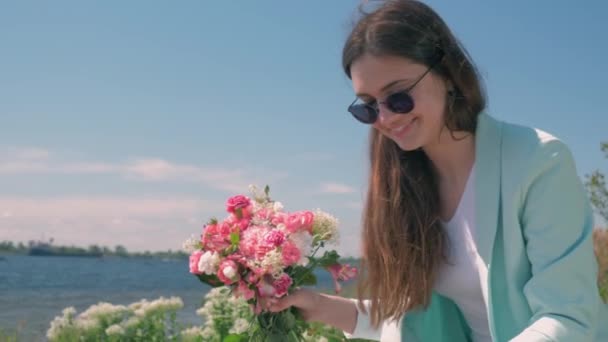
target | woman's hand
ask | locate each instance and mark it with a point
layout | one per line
(306, 301)
(336, 311)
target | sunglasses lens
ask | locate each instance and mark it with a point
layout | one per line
(400, 103)
(364, 113)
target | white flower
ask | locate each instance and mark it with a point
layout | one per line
(69, 312)
(303, 241)
(86, 324)
(273, 262)
(209, 262)
(131, 322)
(240, 326)
(229, 272)
(325, 227)
(193, 332)
(208, 333)
(277, 206)
(115, 329)
(191, 244)
(102, 310)
(161, 304)
(58, 324)
(322, 339)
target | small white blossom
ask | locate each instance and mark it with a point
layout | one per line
(277, 207)
(273, 262)
(86, 324)
(191, 244)
(193, 332)
(162, 304)
(208, 333)
(240, 326)
(101, 310)
(325, 227)
(115, 329)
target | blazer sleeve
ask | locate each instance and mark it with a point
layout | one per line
(557, 223)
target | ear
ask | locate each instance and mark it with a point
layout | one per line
(450, 88)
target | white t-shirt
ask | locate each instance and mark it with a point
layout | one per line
(460, 279)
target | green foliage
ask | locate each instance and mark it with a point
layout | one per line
(596, 185)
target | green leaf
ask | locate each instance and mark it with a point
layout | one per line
(329, 258)
(210, 279)
(309, 279)
(235, 338)
(235, 238)
(266, 190)
(289, 321)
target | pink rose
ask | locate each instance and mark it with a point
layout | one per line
(216, 236)
(262, 249)
(241, 223)
(274, 238)
(250, 239)
(281, 285)
(228, 272)
(265, 214)
(300, 220)
(290, 252)
(279, 218)
(237, 202)
(194, 259)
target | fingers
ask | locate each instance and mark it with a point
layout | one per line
(298, 299)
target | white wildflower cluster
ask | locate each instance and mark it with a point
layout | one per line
(60, 323)
(325, 227)
(192, 244)
(103, 310)
(240, 326)
(108, 321)
(144, 307)
(273, 262)
(222, 309)
(115, 330)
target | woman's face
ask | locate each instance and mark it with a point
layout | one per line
(376, 77)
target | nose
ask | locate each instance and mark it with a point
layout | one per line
(384, 115)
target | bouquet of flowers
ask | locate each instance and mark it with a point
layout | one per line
(260, 252)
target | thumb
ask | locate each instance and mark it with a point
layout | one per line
(297, 299)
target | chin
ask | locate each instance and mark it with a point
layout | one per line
(408, 146)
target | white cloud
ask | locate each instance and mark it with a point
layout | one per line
(337, 188)
(39, 161)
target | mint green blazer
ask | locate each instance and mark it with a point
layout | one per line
(534, 233)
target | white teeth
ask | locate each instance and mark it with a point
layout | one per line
(399, 129)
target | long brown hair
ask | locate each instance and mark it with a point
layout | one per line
(403, 241)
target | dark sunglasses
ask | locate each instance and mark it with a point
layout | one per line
(400, 102)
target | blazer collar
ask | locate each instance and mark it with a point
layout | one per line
(488, 141)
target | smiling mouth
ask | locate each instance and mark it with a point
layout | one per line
(400, 130)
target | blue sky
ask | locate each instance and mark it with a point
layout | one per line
(131, 122)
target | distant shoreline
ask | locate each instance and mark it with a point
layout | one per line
(39, 248)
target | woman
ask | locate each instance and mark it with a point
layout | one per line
(473, 228)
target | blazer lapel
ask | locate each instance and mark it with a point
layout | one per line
(487, 183)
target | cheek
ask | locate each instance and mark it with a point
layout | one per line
(430, 108)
